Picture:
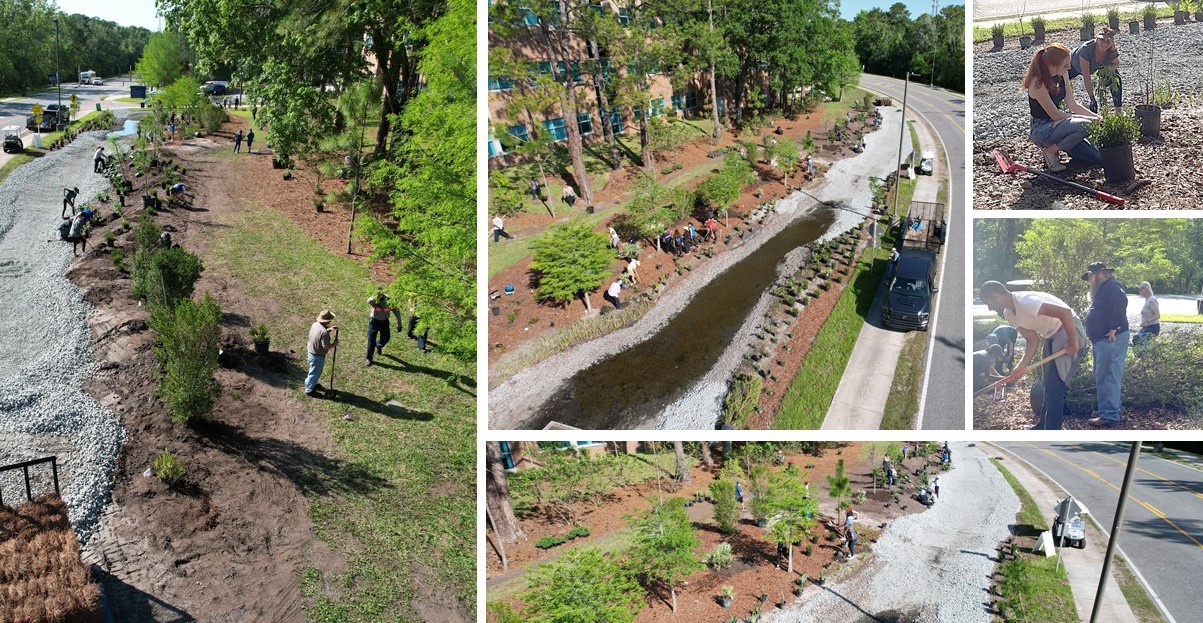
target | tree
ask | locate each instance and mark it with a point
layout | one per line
(664, 544)
(839, 484)
(791, 511)
(722, 494)
(706, 458)
(682, 466)
(569, 261)
(497, 497)
(654, 206)
(163, 59)
(187, 340)
(581, 586)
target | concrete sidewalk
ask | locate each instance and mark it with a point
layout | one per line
(1083, 566)
(860, 400)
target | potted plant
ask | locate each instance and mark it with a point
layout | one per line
(1114, 136)
(800, 586)
(1150, 16)
(1133, 26)
(1025, 40)
(1113, 18)
(261, 338)
(1038, 28)
(1179, 14)
(996, 32)
(1198, 6)
(726, 595)
(1087, 26)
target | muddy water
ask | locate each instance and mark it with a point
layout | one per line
(626, 389)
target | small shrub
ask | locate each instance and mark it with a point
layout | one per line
(741, 401)
(168, 468)
(259, 333)
(187, 338)
(726, 513)
(549, 542)
(720, 557)
(118, 257)
(165, 277)
(578, 532)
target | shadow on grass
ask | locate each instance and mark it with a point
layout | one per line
(465, 384)
(312, 472)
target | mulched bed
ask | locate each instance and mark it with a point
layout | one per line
(42, 578)
(1014, 412)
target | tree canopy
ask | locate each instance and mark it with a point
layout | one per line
(888, 42)
(569, 261)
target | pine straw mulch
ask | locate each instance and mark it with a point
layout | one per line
(1014, 412)
(42, 577)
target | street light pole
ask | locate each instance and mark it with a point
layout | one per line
(901, 135)
(1133, 457)
(58, 72)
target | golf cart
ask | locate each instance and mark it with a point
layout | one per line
(1074, 531)
(12, 140)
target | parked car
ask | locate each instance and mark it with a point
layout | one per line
(911, 286)
(215, 87)
(927, 164)
(12, 140)
(98, 81)
(1074, 531)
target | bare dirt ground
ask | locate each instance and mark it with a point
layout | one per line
(753, 572)
(1014, 412)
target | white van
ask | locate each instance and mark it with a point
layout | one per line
(928, 163)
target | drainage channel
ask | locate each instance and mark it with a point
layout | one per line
(626, 389)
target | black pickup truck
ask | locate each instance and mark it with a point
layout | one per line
(51, 117)
(912, 278)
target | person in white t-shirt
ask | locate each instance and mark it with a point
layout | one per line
(1039, 316)
(612, 293)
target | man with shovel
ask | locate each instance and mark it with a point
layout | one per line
(1041, 316)
(320, 343)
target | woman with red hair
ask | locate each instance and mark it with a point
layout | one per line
(1055, 129)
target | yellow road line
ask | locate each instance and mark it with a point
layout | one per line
(935, 103)
(1145, 471)
(1152, 509)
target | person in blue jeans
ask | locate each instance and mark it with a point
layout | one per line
(1059, 122)
(1107, 329)
(1092, 56)
(320, 343)
(1150, 316)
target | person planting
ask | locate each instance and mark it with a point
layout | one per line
(1053, 128)
(1090, 58)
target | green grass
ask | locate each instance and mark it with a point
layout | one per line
(916, 147)
(127, 100)
(1194, 319)
(809, 395)
(401, 507)
(902, 405)
(1033, 587)
(16, 161)
(1138, 598)
(1015, 29)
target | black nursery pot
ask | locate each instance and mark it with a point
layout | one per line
(998, 42)
(1117, 164)
(1150, 119)
(1039, 31)
(1087, 33)
(1133, 27)
(1025, 42)
(1150, 22)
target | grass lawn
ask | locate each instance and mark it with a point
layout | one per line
(16, 161)
(1142, 604)
(127, 100)
(423, 518)
(902, 405)
(809, 395)
(1024, 27)
(1192, 319)
(1033, 587)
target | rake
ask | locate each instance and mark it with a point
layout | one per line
(1030, 366)
(1012, 167)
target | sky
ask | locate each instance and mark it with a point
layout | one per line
(124, 12)
(849, 8)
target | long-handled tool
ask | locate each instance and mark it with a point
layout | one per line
(333, 363)
(1034, 365)
(1012, 167)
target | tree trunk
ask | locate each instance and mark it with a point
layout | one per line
(588, 305)
(790, 557)
(707, 460)
(604, 108)
(497, 489)
(682, 468)
(568, 106)
(718, 125)
(645, 149)
(673, 590)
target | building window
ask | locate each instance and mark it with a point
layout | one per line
(544, 67)
(615, 120)
(691, 100)
(624, 16)
(653, 68)
(519, 132)
(657, 107)
(497, 83)
(528, 17)
(507, 456)
(584, 123)
(556, 128)
(678, 101)
(563, 67)
(495, 148)
(553, 13)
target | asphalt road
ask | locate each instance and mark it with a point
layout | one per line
(942, 406)
(1162, 533)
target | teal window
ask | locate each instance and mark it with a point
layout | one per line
(657, 107)
(497, 83)
(584, 123)
(556, 128)
(495, 148)
(519, 132)
(615, 120)
(624, 17)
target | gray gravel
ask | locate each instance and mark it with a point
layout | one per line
(1000, 109)
(46, 341)
(846, 183)
(929, 567)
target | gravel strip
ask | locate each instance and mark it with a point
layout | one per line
(846, 183)
(46, 341)
(929, 567)
(1000, 109)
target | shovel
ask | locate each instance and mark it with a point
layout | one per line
(1012, 167)
(1034, 365)
(333, 363)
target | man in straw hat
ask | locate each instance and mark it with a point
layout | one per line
(1041, 316)
(320, 343)
(1107, 328)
